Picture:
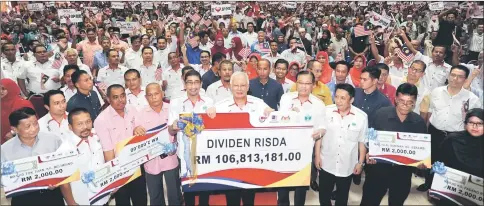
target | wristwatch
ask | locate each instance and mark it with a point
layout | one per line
(362, 164)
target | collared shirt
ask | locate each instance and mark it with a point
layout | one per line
(313, 106)
(395, 71)
(148, 74)
(119, 128)
(161, 57)
(252, 105)
(272, 58)
(206, 47)
(182, 105)
(174, 81)
(299, 56)
(321, 91)
(338, 47)
(88, 50)
(286, 85)
(45, 143)
(476, 84)
(40, 76)
(389, 91)
(250, 38)
(148, 118)
(270, 92)
(48, 124)
(218, 92)
(12, 70)
(90, 102)
(193, 54)
(475, 43)
(209, 78)
(422, 91)
(100, 60)
(133, 58)
(110, 76)
(370, 103)
(339, 147)
(69, 93)
(332, 84)
(448, 112)
(199, 68)
(435, 75)
(137, 101)
(386, 119)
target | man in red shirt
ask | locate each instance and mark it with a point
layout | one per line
(385, 88)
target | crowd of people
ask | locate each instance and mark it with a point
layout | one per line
(92, 83)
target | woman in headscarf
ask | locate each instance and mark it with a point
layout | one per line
(11, 101)
(325, 40)
(236, 45)
(294, 68)
(322, 57)
(218, 47)
(251, 69)
(359, 64)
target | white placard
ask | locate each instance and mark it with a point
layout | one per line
(117, 5)
(174, 6)
(221, 9)
(450, 4)
(75, 16)
(290, 5)
(50, 4)
(391, 2)
(457, 187)
(362, 3)
(35, 7)
(127, 27)
(379, 20)
(93, 9)
(436, 6)
(146, 5)
(477, 13)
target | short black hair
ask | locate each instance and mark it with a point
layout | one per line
(217, 57)
(114, 86)
(76, 111)
(20, 114)
(282, 61)
(144, 48)
(7, 43)
(439, 45)
(347, 87)
(49, 94)
(76, 75)
(407, 89)
(31, 42)
(382, 66)
(160, 38)
(111, 50)
(342, 63)
(204, 51)
(202, 34)
(273, 41)
(372, 71)
(421, 63)
(133, 38)
(69, 67)
(310, 64)
(185, 69)
(192, 73)
(250, 23)
(38, 46)
(460, 67)
(132, 71)
(90, 30)
(313, 78)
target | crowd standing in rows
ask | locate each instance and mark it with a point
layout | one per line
(90, 80)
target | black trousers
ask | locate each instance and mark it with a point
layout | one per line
(39, 197)
(380, 178)
(314, 170)
(326, 185)
(299, 196)
(233, 197)
(135, 192)
(203, 198)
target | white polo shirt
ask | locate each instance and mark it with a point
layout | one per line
(48, 124)
(139, 101)
(148, 74)
(174, 82)
(182, 105)
(313, 105)
(286, 85)
(435, 75)
(299, 56)
(339, 147)
(161, 57)
(133, 58)
(423, 91)
(477, 83)
(218, 92)
(448, 112)
(40, 76)
(111, 76)
(12, 70)
(252, 105)
(92, 156)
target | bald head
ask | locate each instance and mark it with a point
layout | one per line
(153, 86)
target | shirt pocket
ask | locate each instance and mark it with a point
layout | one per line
(353, 133)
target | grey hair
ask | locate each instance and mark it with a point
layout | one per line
(239, 73)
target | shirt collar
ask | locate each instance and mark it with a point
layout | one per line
(114, 113)
(410, 117)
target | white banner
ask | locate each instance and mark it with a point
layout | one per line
(174, 6)
(127, 27)
(117, 5)
(50, 4)
(290, 5)
(35, 7)
(362, 3)
(74, 16)
(458, 187)
(275, 151)
(410, 149)
(436, 6)
(379, 20)
(146, 5)
(93, 9)
(38, 172)
(221, 9)
(450, 5)
(130, 154)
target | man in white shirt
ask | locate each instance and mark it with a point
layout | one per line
(415, 73)
(149, 69)
(172, 77)
(342, 151)
(71, 59)
(204, 65)
(12, 66)
(273, 56)
(191, 101)
(205, 44)
(56, 120)
(113, 73)
(133, 54)
(220, 89)
(42, 77)
(280, 71)
(250, 36)
(83, 137)
(303, 101)
(135, 93)
(240, 102)
(161, 56)
(293, 54)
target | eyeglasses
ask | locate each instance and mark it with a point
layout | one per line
(191, 83)
(408, 104)
(475, 124)
(415, 70)
(457, 76)
(305, 83)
